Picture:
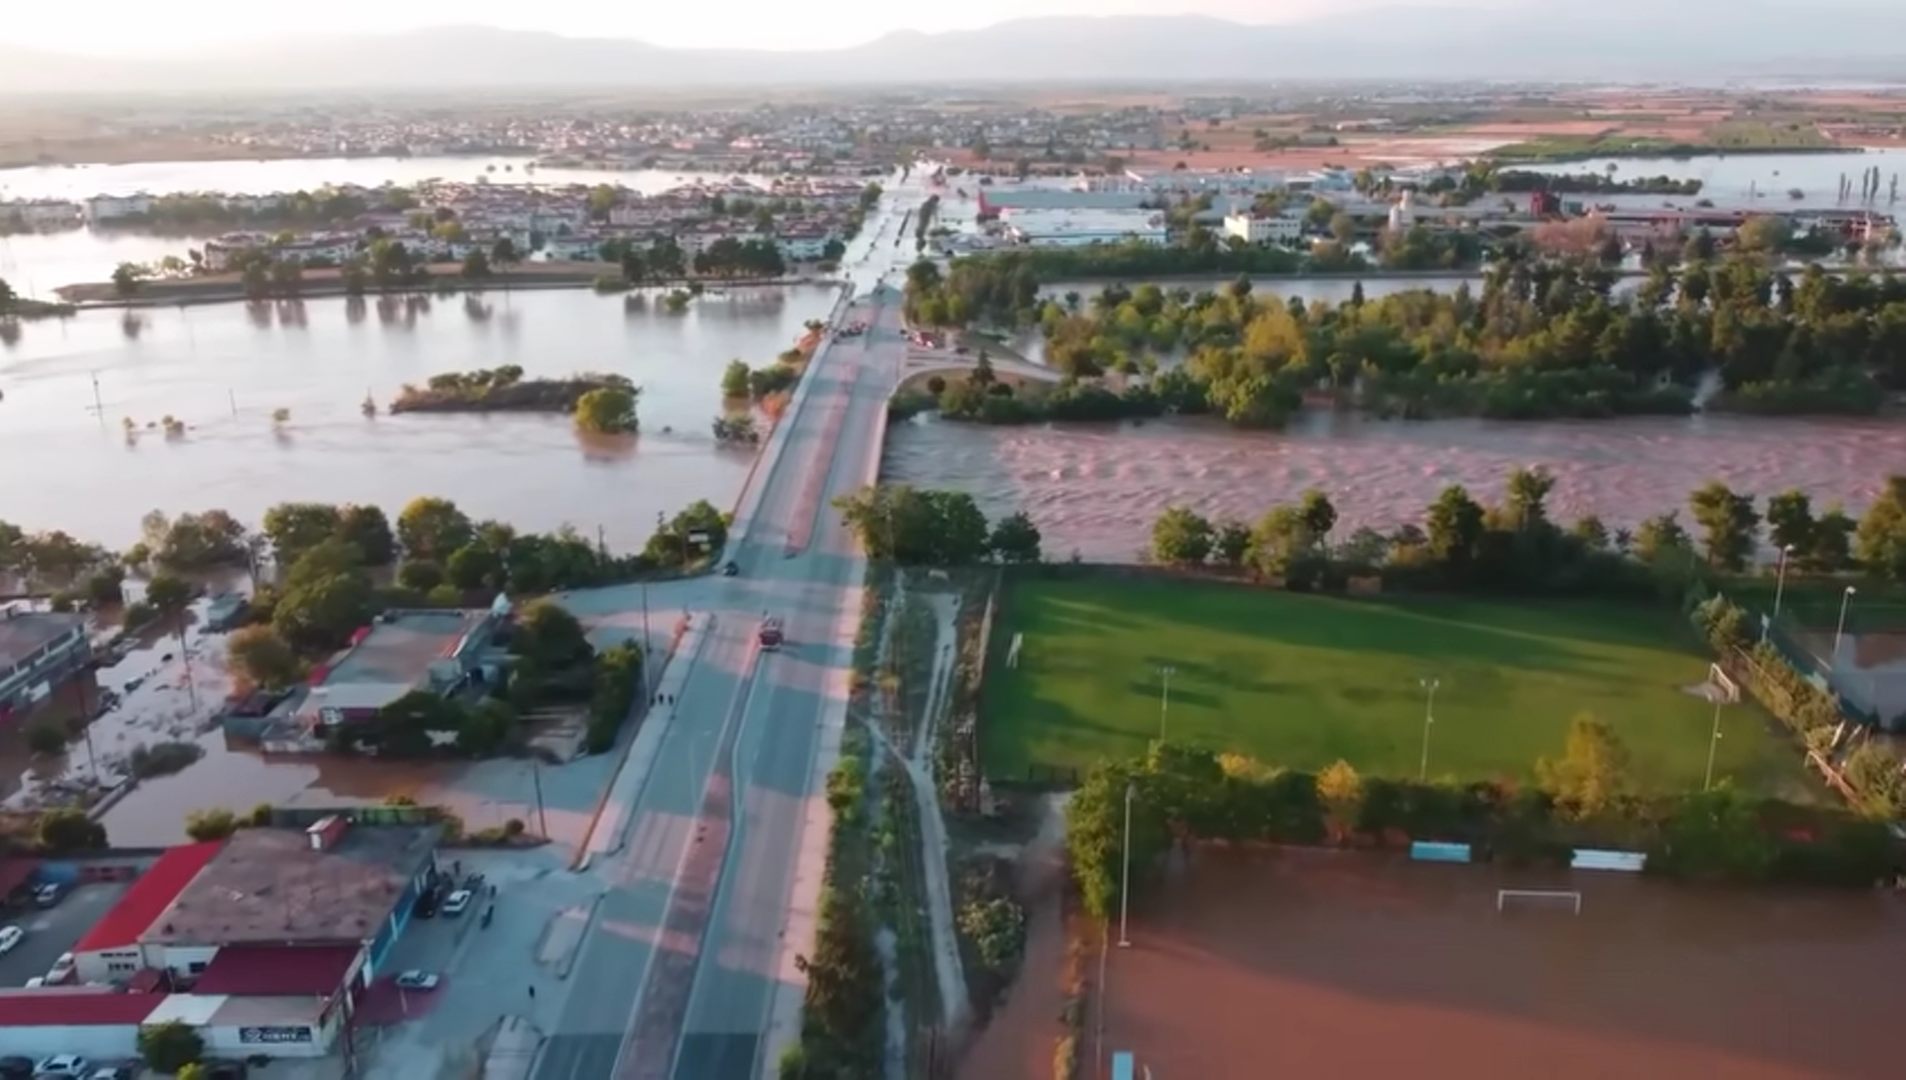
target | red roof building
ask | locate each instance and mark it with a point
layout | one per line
(75, 1010)
(144, 902)
(278, 970)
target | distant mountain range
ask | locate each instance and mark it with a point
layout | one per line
(1613, 40)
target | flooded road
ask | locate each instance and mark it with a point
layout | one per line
(1096, 488)
(224, 369)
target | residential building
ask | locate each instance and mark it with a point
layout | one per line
(404, 650)
(105, 208)
(40, 651)
(40, 213)
(1263, 228)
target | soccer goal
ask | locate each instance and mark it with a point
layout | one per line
(1539, 898)
(1012, 651)
(1721, 687)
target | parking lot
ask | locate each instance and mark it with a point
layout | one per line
(52, 931)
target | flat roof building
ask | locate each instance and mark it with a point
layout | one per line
(1083, 228)
(39, 651)
(402, 651)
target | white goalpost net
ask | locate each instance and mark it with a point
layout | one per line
(1720, 686)
(1012, 651)
(1552, 899)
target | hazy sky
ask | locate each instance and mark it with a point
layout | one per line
(140, 26)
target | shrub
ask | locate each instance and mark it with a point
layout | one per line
(163, 759)
(170, 1047)
(46, 737)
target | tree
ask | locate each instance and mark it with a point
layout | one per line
(432, 528)
(217, 824)
(324, 598)
(169, 594)
(1095, 833)
(294, 528)
(367, 529)
(937, 528)
(1714, 835)
(1593, 771)
(549, 639)
(1454, 526)
(1832, 548)
(1728, 523)
(69, 829)
(700, 528)
(1015, 539)
(475, 566)
(503, 252)
(1180, 537)
(170, 1046)
(1528, 490)
(476, 265)
(1880, 542)
(606, 410)
(422, 575)
(1790, 520)
(126, 278)
(263, 657)
(1341, 790)
(1230, 541)
(196, 541)
(46, 737)
(191, 1072)
(1659, 537)
(734, 379)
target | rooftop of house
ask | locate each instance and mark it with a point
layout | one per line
(269, 886)
(24, 632)
(394, 656)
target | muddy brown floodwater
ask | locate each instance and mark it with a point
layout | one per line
(1315, 963)
(1095, 488)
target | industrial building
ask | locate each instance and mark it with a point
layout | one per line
(1084, 228)
(40, 651)
(261, 942)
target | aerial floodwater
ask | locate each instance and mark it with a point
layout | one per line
(37, 263)
(1095, 489)
(224, 370)
(1733, 178)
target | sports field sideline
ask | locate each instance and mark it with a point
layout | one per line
(1302, 680)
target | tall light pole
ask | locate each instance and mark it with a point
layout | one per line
(1713, 741)
(1780, 587)
(1840, 630)
(1429, 717)
(1164, 698)
(1125, 884)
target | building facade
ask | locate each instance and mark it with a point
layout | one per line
(40, 651)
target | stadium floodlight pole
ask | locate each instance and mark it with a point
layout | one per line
(1840, 630)
(1125, 884)
(1712, 742)
(1429, 717)
(1780, 587)
(1164, 698)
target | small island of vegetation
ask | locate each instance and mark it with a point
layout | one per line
(601, 403)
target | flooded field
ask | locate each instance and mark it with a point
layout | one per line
(1096, 488)
(1315, 963)
(225, 369)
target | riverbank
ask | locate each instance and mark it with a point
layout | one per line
(442, 277)
(499, 390)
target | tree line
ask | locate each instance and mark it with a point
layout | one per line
(1581, 798)
(1542, 338)
(895, 522)
(1513, 543)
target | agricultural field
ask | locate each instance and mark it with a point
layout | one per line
(1301, 681)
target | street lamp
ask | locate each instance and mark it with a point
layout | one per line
(1164, 698)
(1429, 717)
(1713, 741)
(1840, 630)
(1780, 587)
(1125, 884)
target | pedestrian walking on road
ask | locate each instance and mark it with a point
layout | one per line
(532, 992)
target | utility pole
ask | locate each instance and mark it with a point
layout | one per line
(1780, 587)
(1429, 718)
(536, 779)
(1125, 884)
(1713, 741)
(1164, 698)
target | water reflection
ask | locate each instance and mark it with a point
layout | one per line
(222, 370)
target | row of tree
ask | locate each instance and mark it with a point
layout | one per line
(934, 528)
(1583, 798)
(1514, 543)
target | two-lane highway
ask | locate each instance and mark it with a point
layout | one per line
(686, 970)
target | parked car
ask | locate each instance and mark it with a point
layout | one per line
(111, 1072)
(64, 1065)
(223, 1070)
(417, 980)
(15, 1067)
(36, 982)
(49, 894)
(458, 903)
(10, 937)
(61, 970)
